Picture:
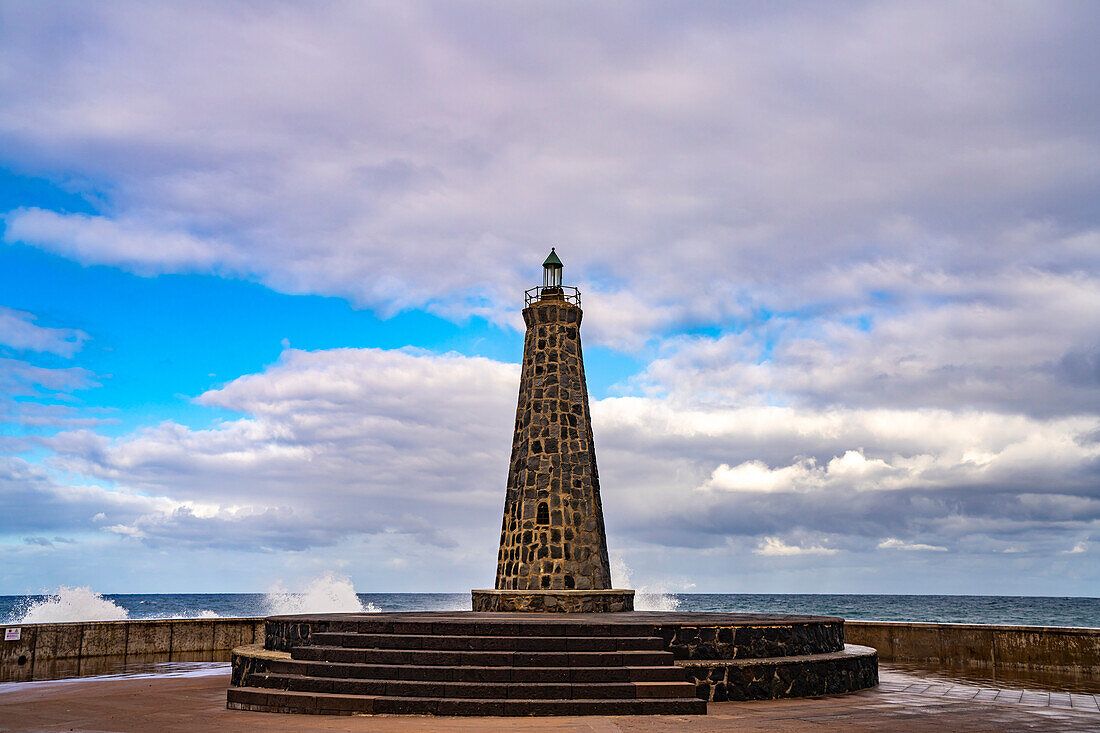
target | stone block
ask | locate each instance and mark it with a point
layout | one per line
(192, 636)
(1076, 650)
(969, 646)
(104, 639)
(149, 637)
(917, 642)
(58, 641)
(876, 635)
(232, 633)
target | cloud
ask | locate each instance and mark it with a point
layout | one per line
(424, 156)
(775, 547)
(893, 543)
(702, 478)
(334, 444)
(852, 469)
(20, 378)
(344, 443)
(1011, 343)
(29, 392)
(18, 330)
(32, 501)
(102, 241)
(30, 397)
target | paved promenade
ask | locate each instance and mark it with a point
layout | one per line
(904, 701)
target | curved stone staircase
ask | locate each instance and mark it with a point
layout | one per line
(472, 667)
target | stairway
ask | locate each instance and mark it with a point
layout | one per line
(476, 668)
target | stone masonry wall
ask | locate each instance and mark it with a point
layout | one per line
(551, 601)
(552, 536)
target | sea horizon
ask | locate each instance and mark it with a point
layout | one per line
(82, 604)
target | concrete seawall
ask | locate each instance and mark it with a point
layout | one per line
(1039, 648)
(50, 651)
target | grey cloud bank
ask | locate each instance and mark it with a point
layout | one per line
(359, 442)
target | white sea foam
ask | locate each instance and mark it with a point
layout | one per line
(71, 604)
(328, 594)
(646, 598)
(204, 613)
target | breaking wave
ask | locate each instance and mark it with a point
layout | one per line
(328, 594)
(70, 604)
(645, 598)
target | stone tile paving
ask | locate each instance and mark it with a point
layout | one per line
(903, 702)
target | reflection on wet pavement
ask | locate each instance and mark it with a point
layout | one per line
(924, 683)
(133, 667)
(1001, 678)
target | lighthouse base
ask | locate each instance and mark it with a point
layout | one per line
(613, 600)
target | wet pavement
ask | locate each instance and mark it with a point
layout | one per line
(1002, 678)
(893, 679)
(191, 697)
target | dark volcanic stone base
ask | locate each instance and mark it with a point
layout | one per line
(552, 601)
(699, 636)
(854, 668)
(482, 663)
(717, 636)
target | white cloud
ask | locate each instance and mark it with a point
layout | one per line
(775, 547)
(893, 543)
(33, 396)
(852, 470)
(756, 476)
(125, 530)
(18, 330)
(140, 246)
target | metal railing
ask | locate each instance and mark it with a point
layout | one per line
(565, 293)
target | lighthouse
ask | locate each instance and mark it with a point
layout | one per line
(553, 547)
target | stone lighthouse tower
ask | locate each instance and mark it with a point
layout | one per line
(553, 551)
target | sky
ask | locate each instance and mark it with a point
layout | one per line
(262, 270)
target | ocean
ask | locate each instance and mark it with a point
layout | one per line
(83, 604)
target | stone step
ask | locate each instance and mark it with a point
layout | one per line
(482, 658)
(486, 627)
(450, 642)
(286, 701)
(442, 673)
(468, 690)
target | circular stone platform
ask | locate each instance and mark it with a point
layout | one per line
(469, 663)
